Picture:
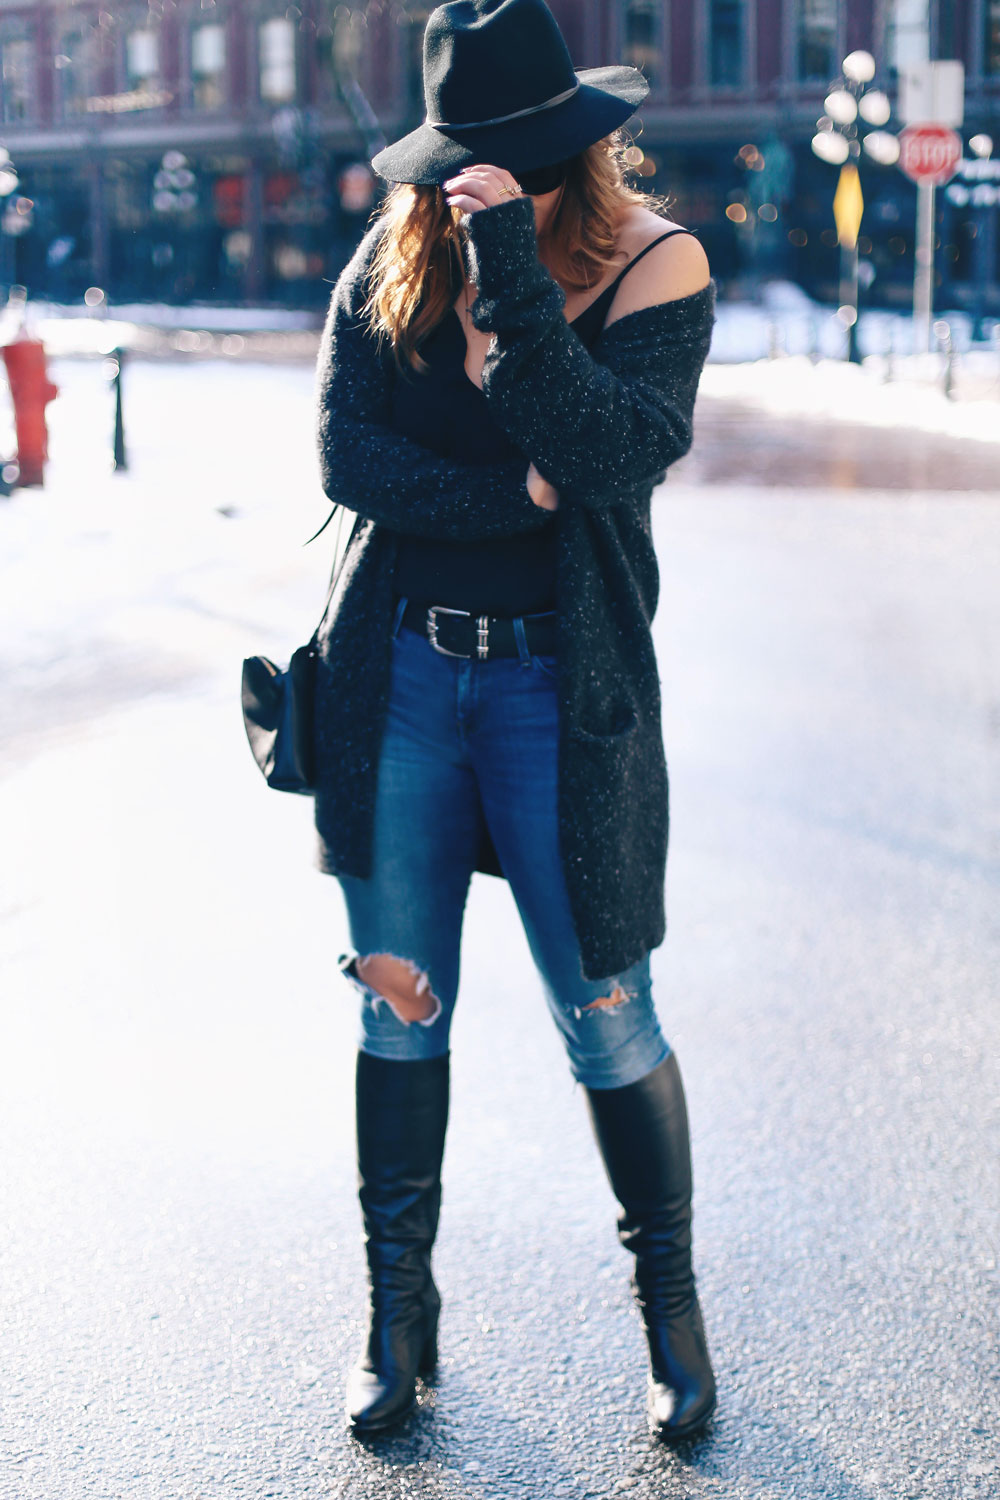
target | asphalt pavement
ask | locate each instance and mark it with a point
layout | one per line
(741, 445)
(183, 1272)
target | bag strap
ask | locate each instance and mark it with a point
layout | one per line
(338, 562)
(336, 506)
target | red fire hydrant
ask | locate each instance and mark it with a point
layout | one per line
(31, 390)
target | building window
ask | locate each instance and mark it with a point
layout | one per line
(17, 62)
(991, 41)
(908, 32)
(726, 49)
(641, 42)
(276, 46)
(74, 65)
(142, 60)
(816, 53)
(208, 66)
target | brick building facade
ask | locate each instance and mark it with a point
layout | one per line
(208, 149)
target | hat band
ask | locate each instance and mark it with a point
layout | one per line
(517, 114)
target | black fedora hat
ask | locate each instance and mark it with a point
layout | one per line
(499, 87)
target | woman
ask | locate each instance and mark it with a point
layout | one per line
(509, 366)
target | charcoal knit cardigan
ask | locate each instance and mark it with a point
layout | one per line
(601, 426)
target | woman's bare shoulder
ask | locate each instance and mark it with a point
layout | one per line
(639, 226)
(675, 268)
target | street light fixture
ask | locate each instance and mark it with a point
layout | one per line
(841, 106)
(830, 146)
(859, 67)
(874, 107)
(882, 146)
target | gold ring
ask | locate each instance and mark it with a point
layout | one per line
(513, 191)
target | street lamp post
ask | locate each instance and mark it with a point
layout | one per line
(848, 206)
(838, 141)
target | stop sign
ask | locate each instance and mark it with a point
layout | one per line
(929, 153)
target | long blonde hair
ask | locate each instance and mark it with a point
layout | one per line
(411, 285)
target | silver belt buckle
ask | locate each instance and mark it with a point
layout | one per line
(432, 630)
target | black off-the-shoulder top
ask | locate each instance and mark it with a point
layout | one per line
(443, 410)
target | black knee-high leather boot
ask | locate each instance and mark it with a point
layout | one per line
(642, 1131)
(402, 1115)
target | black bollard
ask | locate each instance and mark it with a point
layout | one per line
(117, 363)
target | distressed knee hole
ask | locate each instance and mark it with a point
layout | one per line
(617, 997)
(402, 984)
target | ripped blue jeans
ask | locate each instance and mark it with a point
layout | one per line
(468, 741)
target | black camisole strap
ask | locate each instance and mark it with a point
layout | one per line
(588, 324)
(644, 251)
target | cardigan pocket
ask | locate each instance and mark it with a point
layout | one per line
(600, 776)
(623, 722)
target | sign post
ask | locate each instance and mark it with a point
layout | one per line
(928, 155)
(923, 270)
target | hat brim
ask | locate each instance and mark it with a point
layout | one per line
(606, 98)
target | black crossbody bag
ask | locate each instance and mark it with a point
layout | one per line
(279, 702)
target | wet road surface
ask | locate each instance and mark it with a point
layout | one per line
(740, 444)
(180, 1239)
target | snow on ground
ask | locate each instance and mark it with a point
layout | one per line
(117, 585)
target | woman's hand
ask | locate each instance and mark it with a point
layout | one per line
(479, 187)
(544, 494)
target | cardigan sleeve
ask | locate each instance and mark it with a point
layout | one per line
(379, 473)
(596, 425)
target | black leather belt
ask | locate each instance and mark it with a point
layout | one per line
(458, 632)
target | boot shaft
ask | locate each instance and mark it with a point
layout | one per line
(402, 1119)
(642, 1133)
